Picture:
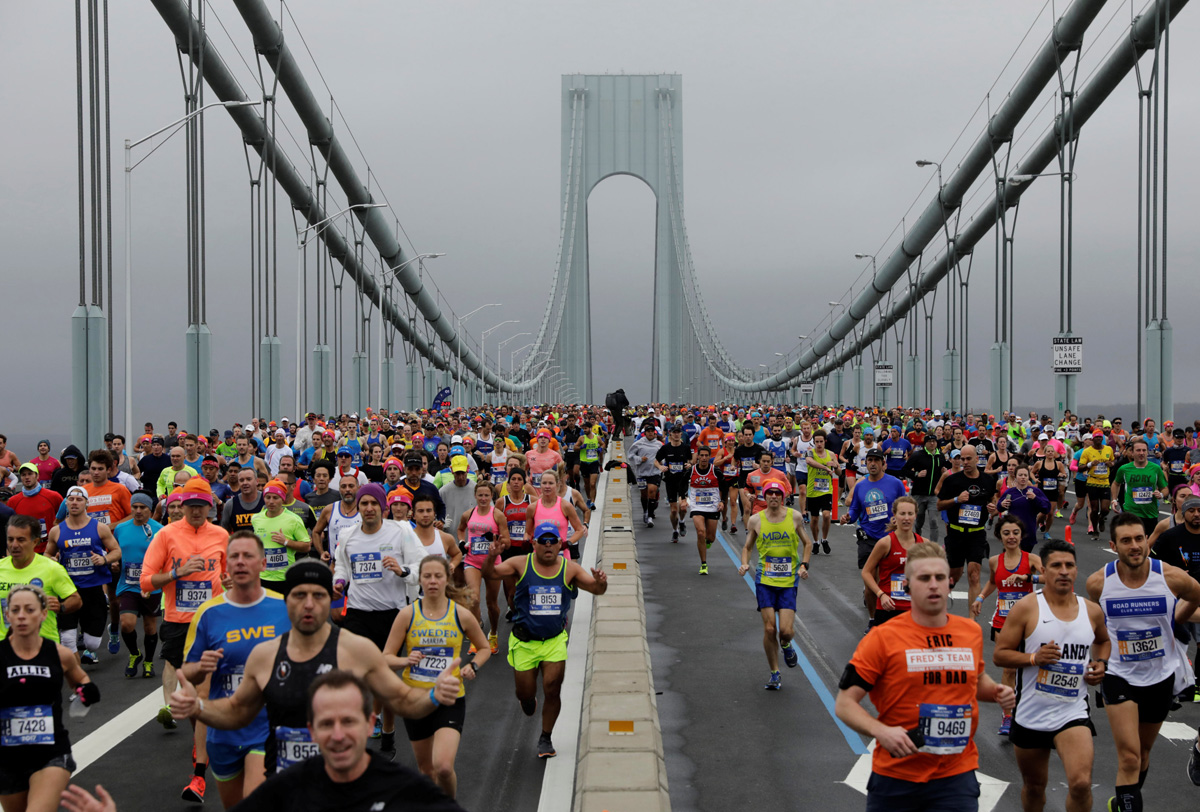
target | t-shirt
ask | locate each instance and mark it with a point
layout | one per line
(384, 787)
(49, 575)
(1141, 488)
(1097, 477)
(895, 451)
(871, 505)
(108, 502)
(279, 556)
(134, 541)
(972, 514)
(174, 545)
(42, 506)
(675, 458)
(1180, 547)
(925, 677)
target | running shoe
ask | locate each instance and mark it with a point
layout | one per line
(1046, 535)
(733, 529)
(529, 706)
(148, 671)
(387, 746)
(1072, 519)
(806, 518)
(825, 546)
(675, 537)
(131, 670)
(682, 529)
(775, 682)
(165, 718)
(114, 640)
(790, 657)
(546, 747)
(378, 731)
(816, 548)
(1005, 725)
(724, 523)
(1058, 514)
(494, 642)
(704, 568)
(193, 793)
(87, 657)
(1103, 520)
(1193, 768)
(508, 616)
(649, 521)
(708, 544)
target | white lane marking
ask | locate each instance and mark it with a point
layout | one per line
(1177, 731)
(558, 781)
(990, 789)
(115, 730)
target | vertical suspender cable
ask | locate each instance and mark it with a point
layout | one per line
(79, 126)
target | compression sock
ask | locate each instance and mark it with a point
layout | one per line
(151, 642)
(1142, 778)
(201, 769)
(130, 639)
(1129, 799)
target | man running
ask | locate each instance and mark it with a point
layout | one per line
(546, 583)
(221, 636)
(967, 497)
(134, 537)
(924, 671)
(281, 531)
(777, 532)
(643, 455)
(1144, 485)
(823, 471)
(704, 499)
(1142, 599)
(338, 519)
(1059, 642)
(1097, 461)
(23, 565)
(672, 461)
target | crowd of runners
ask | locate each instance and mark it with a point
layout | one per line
(278, 569)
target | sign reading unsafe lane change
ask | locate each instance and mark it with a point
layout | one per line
(1068, 355)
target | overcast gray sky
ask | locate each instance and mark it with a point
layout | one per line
(802, 122)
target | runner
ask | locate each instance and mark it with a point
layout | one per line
(752, 490)
(338, 519)
(727, 468)
(823, 471)
(36, 500)
(1013, 574)
(546, 583)
(23, 565)
(1179, 546)
(221, 636)
(704, 498)
(35, 749)
(871, 508)
(134, 537)
(1051, 476)
(1097, 461)
(777, 533)
(643, 455)
(477, 529)
(967, 496)
(801, 445)
(239, 511)
(1142, 599)
(1027, 503)
(925, 758)
(278, 674)
(1059, 642)
(672, 461)
(434, 540)
(431, 632)
(591, 457)
(883, 572)
(1144, 484)
(924, 469)
(281, 531)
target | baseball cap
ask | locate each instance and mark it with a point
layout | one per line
(280, 433)
(197, 489)
(547, 529)
(1043, 436)
(228, 433)
(345, 452)
(459, 464)
(308, 572)
(875, 452)
(28, 466)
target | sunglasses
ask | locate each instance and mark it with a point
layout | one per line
(548, 541)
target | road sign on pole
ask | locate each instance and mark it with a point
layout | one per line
(885, 375)
(1068, 355)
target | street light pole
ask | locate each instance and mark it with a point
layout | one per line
(483, 349)
(461, 319)
(499, 347)
(129, 167)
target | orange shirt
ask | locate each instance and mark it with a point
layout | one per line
(108, 503)
(175, 544)
(756, 479)
(925, 677)
(711, 439)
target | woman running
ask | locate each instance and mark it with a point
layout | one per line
(574, 498)
(1014, 573)
(477, 528)
(553, 509)
(35, 750)
(400, 506)
(1020, 498)
(883, 572)
(431, 632)
(1051, 476)
(518, 515)
(727, 466)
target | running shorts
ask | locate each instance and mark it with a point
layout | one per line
(375, 626)
(132, 603)
(964, 546)
(172, 636)
(229, 760)
(1044, 739)
(526, 655)
(1153, 701)
(775, 597)
(451, 716)
(816, 504)
(15, 775)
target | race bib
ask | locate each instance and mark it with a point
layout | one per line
(675, 467)
(498, 475)
(821, 484)
(777, 566)
(1100, 470)
(133, 575)
(32, 724)
(729, 470)
(516, 530)
(1134, 645)
(79, 563)
(535, 480)
(877, 512)
(747, 463)
(970, 515)
(479, 545)
(1142, 495)
(293, 745)
(1050, 485)
(1006, 600)
(705, 499)
(231, 682)
(1062, 681)
(1176, 466)
(947, 728)
(190, 594)
(277, 558)
(436, 660)
(898, 592)
(545, 600)
(366, 566)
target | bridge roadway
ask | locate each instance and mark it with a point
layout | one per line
(731, 744)
(728, 742)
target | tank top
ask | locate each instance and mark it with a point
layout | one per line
(437, 547)
(439, 639)
(517, 516)
(860, 459)
(241, 516)
(1140, 623)
(1050, 696)
(478, 526)
(541, 602)
(75, 553)
(499, 461)
(126, 464)
(778, 550)
(340, 526)
(1048, 480)
(286, 698)
(729, 468)
(31, 723)
(704, 490)
(553, 514)
(1007, 596)
(891, 574)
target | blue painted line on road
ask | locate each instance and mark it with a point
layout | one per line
(853, 739)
